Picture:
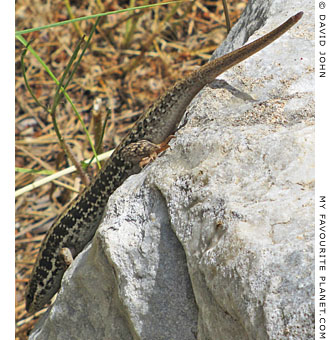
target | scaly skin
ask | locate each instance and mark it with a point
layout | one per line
(76, 226)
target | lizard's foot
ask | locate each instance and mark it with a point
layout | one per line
(66, 256)
(159, 148)
(143, 152)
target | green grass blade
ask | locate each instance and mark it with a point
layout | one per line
(65, 22)
(26, 80)
(35, 54)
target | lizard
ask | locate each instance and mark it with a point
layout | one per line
(77, 224)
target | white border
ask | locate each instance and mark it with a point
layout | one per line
(322, 172)
(7, 175)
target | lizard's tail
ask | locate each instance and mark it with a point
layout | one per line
(211, 70)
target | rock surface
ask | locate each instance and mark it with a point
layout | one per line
(213, 240)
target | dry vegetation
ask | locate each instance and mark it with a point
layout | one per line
(132, 59)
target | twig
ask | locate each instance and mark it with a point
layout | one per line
(225, 8)
(57, 175)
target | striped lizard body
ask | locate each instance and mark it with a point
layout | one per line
(76, 226)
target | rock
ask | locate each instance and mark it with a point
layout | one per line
(214, 239)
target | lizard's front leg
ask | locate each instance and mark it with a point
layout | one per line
(143, 152)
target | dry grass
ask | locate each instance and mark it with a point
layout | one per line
(123, 69)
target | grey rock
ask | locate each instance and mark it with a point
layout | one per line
(214, 239)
